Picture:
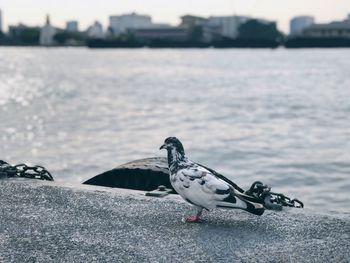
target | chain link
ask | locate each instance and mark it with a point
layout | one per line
(271, 200)
(23, 170)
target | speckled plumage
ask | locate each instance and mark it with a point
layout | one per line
(200, 187)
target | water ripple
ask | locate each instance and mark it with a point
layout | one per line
(278, 116)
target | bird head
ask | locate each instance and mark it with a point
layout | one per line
(173, 143)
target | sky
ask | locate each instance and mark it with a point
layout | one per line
(33, 12)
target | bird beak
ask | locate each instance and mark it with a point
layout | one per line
(162, 147)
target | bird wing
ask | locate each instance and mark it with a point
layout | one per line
(208, 182)
(207, 190)
(238, 191)
(220, 176)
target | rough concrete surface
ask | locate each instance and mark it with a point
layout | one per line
(47, 222)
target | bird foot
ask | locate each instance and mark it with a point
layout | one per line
(191, 219)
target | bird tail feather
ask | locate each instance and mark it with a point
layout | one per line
(238, 201)
(252, 207)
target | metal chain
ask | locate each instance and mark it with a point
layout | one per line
(271, 200)
(23, 170)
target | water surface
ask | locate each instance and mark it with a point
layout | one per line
(279, 116)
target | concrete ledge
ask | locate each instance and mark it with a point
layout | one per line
(47, 222)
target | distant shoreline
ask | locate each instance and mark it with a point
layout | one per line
(300, 42)
(292, 43)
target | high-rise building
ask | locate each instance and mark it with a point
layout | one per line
(121, 24)
(47, 33)
(72, 26)
(95, 30)
(228, 24)
(1, 21)
(299, 23)
(335, 29)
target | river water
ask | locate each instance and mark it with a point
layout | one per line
(279, 116)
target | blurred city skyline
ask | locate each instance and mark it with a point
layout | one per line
(33, 12)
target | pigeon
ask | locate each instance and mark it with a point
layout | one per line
(201, 187)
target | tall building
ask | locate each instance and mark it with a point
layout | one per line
(299, 23)
(72, 26)
(209, 31)
(95, 30)
(121, 24)
(1, 21)
(228, 24)
(47, 34)
(336, 29)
